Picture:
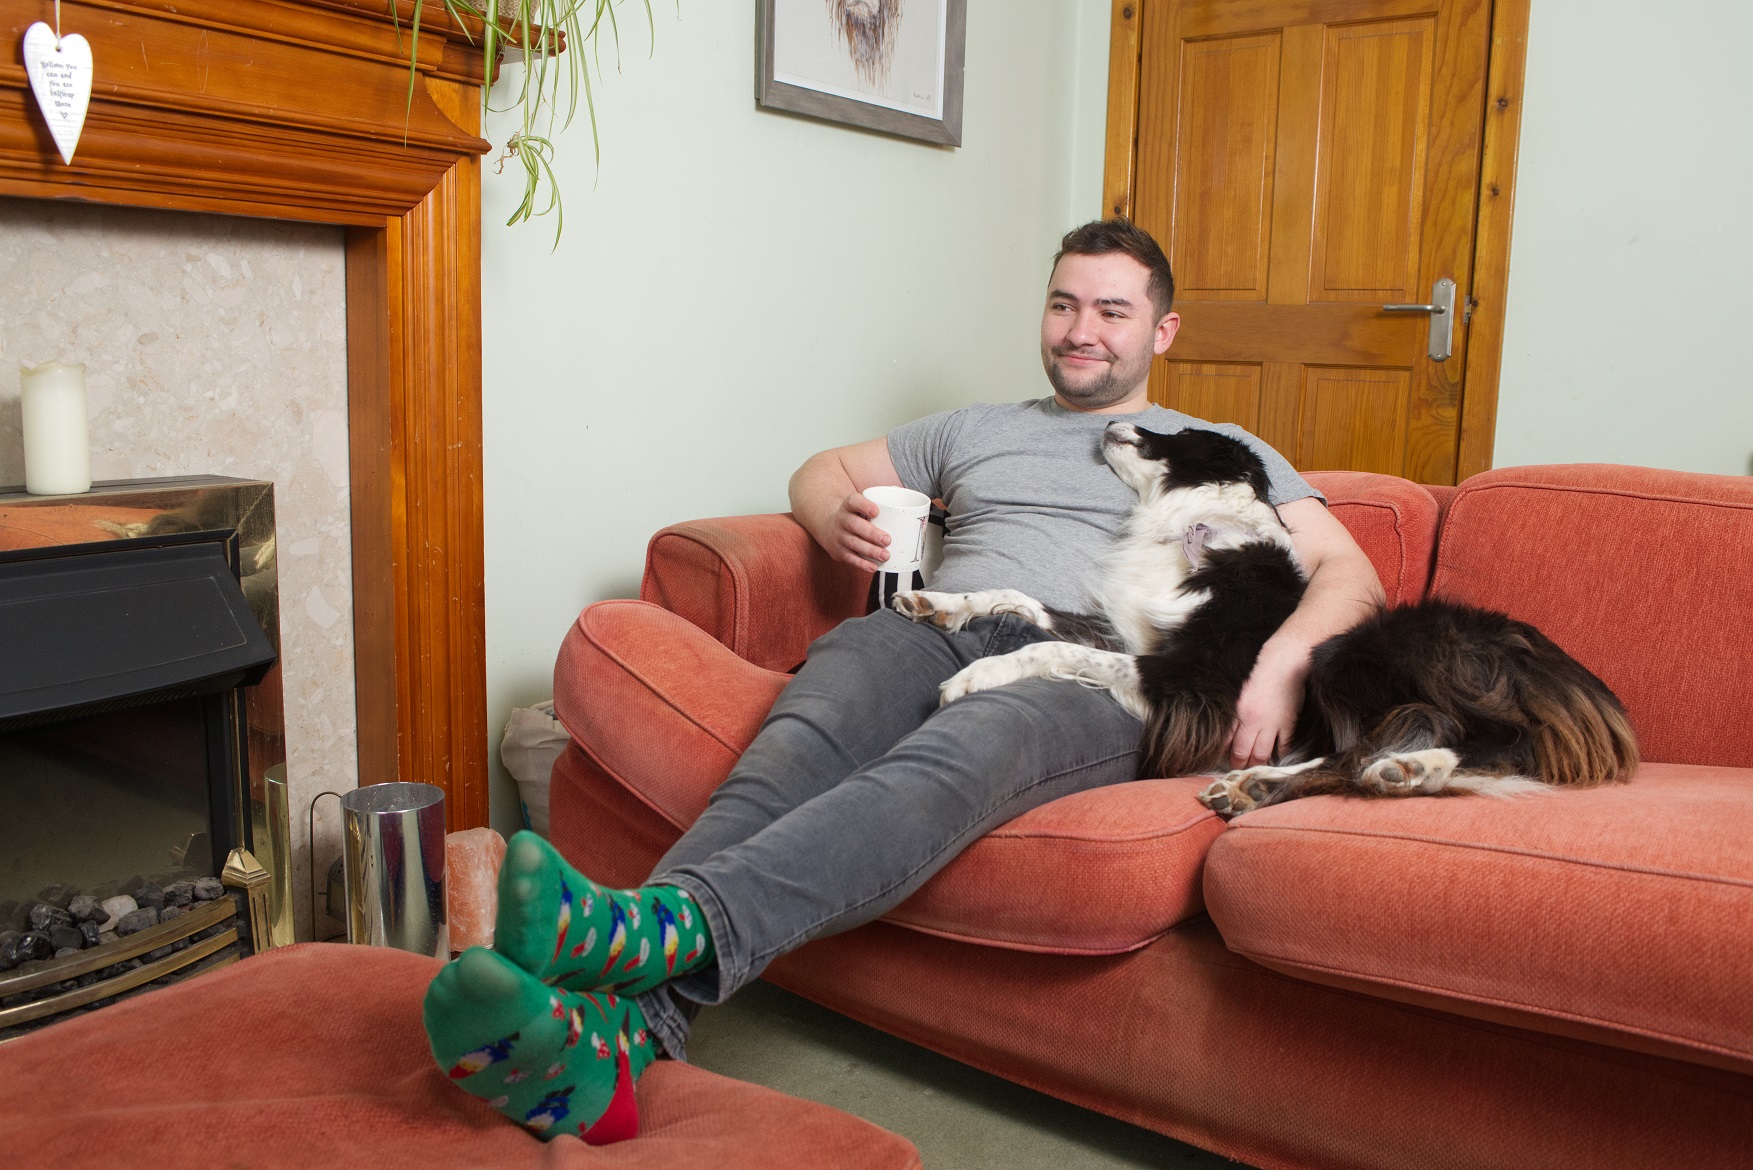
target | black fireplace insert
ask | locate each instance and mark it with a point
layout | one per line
(126, 674)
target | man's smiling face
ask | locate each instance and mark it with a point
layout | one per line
(1099, 332)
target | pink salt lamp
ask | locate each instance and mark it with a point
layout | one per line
(471, 885)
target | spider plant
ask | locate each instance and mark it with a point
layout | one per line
(546, 98)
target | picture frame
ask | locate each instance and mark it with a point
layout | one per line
(892, 66)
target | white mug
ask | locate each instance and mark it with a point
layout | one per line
(903, 514)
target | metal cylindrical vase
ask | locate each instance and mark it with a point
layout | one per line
(393, 864)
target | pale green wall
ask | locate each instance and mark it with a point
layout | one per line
(1632, 249)
(741, 289)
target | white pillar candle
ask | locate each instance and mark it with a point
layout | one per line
(57, 443)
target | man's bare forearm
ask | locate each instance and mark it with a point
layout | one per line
(817, 490)
(826, 499)
(1342, 592)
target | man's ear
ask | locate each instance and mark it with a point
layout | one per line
(1165, 332)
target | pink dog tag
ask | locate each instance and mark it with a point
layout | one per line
(1193, 543)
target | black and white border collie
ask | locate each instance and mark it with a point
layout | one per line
(1428, 699)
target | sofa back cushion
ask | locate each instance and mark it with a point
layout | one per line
(763, 587)
(1393, 520)
(1645, 576)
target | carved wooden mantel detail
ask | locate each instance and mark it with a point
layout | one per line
(301, 110)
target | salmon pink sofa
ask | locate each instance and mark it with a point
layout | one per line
(1551, 982)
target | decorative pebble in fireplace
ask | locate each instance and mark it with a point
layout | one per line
(139, 716)
(62, 921)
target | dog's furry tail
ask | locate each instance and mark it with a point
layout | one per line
(1187, 733)
(1581, 734)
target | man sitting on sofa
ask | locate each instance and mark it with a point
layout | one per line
(858, 787)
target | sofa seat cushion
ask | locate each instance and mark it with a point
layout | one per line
(315, 1055)
(1641, 574)
(665, 710)
(1095, 873)
(1621, 914)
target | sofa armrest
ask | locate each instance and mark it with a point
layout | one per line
(761, 585)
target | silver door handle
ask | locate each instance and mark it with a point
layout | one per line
(1442, 318)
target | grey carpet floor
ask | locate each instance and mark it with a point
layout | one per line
(960, 1118)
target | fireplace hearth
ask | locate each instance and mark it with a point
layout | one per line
(142, 817)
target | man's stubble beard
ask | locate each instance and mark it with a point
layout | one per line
(1118, 382)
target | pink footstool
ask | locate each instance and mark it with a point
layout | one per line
(314, 1056)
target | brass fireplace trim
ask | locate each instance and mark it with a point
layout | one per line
(50, 971)
(27, 1012)
(245, 874)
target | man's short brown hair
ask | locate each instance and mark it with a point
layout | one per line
(1099, 237)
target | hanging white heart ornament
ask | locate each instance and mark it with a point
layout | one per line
(60, 76)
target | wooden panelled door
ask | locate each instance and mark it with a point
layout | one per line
(1306, 162)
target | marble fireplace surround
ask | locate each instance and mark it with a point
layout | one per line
(299, 110)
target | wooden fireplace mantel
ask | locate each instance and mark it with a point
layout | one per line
(301, 110)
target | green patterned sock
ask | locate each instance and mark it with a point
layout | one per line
(565, 929)
(552, 1061)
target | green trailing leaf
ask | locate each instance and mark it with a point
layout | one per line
(535, 155)
(551, 78)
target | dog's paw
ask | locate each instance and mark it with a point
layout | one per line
(1240, 792)
(948, 610)
(1404, 773)
(1216, 797)
(982, 675)
(913, 603)
(952, 611)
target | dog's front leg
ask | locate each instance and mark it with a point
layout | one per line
(952, 611)
(1105, 669)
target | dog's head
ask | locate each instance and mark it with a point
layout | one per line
(1151, 464)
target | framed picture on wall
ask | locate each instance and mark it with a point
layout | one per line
(889, 65)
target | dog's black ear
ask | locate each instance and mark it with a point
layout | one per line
(1170, 448)
(1195, 456)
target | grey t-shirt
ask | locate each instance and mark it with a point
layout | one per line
(1032, 504)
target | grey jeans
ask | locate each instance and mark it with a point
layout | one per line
(858, 788)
